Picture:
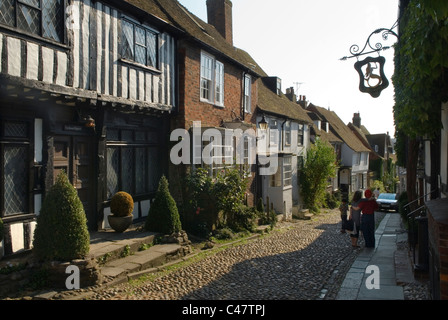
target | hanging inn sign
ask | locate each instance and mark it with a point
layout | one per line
(372, 79)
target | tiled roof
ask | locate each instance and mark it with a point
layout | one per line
(270, 102)
(339, 128)
(360, 134)
(179, 16)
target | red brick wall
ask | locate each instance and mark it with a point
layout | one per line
(191, 108)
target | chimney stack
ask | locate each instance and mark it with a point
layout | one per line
(290, 94)
(357, 120)
(219, 15)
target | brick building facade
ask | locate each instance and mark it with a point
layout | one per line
(217, 86)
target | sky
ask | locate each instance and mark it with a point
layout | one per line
(302, 41)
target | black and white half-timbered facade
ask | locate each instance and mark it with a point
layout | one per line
(86, 87)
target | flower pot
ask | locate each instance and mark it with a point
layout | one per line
(120, 224)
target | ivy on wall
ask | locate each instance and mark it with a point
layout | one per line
(421, 62)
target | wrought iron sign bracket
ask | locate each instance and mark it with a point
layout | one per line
(372, 82)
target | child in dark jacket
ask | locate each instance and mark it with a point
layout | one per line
(343, 208)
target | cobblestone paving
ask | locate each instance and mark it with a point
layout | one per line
(304, 260)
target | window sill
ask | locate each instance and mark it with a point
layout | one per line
(140, 66)
(34, 37)
(212, 103)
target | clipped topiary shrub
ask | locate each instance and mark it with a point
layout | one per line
(163, 214)
(61, 231)
(122, 204)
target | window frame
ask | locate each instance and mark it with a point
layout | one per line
(136, 25)
(287, 181)
(22, 142)
(41, 12)
(247, 100)
(273, 133)
(134, 144)
(211, 72)
(300, 135)
(287, 133)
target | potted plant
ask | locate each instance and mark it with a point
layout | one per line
(121, 207)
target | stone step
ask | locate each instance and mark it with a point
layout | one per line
(303, 214)
(106, 247)
(142, 260)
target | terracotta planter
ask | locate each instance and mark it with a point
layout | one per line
(120, 224)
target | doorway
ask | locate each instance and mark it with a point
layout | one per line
(74, 156)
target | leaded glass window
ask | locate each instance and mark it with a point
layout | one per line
(41, 17)
(15, 170)
(112, 171)
(14, 167)
(133, 163)
(139, 44)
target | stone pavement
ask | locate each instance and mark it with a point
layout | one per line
(392, 267)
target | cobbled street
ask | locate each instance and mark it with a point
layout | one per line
(301, 260)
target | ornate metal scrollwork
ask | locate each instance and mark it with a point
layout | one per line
(370, 81)
(377, 47)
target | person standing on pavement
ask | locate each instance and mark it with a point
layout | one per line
(377, 193)
(343, 208)
(368, 205)
(355, 215)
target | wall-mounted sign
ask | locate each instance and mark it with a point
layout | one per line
(372, 79)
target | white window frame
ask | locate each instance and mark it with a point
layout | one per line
(273, 133)
(212, 80)
(287, 133)
(300, 134)
(219, 83)
(287, 171)
(247, 93)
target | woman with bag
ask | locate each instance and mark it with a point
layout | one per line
(368, 207)
(355, 216)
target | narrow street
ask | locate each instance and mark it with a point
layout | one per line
(302, 260)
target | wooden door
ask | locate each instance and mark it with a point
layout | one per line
(74, 156)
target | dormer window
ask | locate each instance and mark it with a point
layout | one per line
(279, 86)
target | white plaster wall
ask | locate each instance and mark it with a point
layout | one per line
(105, 224)
(17, 237)
(145, 207)
(346, 156)
(14, 57)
